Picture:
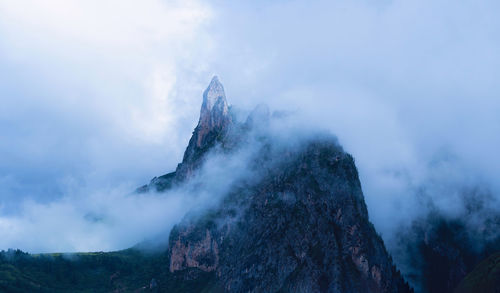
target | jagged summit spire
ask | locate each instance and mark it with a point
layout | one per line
(214, 108)
(214, 123)
(214, 94)
(214, 113)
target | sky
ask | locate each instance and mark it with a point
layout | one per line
(98, 97)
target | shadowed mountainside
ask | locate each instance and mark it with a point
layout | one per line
(294, 220)
(484, 278)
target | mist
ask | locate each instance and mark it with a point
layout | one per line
(119, 217)
(96, 99)
(408, 87)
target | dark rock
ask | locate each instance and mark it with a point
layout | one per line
(212, 127)
(299, 225)
(441, 249)
(484, 278)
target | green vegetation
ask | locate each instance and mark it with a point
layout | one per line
(122, 271)
(484, 278)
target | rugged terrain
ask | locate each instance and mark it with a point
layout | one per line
(288, 216)
(438, 249)
(484, 278)
(297, 223)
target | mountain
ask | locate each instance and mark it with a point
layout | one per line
(214, 122)
(281, 210)
(439, 249)
(299, 223)
(484, 278)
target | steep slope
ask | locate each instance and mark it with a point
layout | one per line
(438, 250)
(484, 278)
(302, 228)
(290, 218)
(298, 224)
(213, 124)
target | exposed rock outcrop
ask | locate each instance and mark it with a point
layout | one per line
(294, 220)
(299, 224)
(212, 127)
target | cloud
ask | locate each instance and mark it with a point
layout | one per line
(103, 94)
(92, 219)
(86, 85)
(400, 82)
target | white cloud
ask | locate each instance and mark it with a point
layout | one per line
(86, 85)
(109, 91)
(98, 221)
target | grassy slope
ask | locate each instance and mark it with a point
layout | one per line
(122, 271)
(484, 278)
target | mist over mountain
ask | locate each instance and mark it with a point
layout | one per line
(263, 204)
(282, 205)
(97, 99)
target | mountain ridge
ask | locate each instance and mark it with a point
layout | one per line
(318, 181)
(291, 218)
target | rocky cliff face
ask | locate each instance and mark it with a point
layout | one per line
(212, 126)
(214, 122)
(291, 219)
(298, 223)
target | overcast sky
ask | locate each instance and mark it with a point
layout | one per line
(97, 97)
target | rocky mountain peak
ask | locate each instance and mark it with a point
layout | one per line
(214, 111)
(213, 93)
(215, 121)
